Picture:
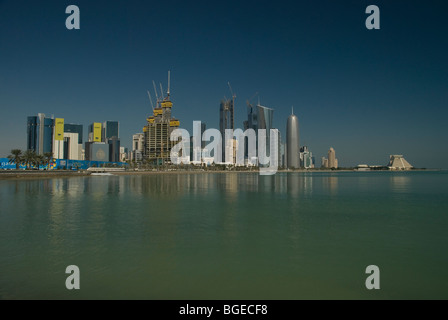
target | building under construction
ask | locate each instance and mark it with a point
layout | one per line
(158, 130)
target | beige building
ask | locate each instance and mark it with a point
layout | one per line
(332, 161)
(397, 162)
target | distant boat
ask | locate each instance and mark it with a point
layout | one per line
(101, 174)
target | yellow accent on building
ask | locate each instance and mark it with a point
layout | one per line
(59, 129)
(150, 119)
(97, 131)
(145, 129)
(158, 111)
(174, 123)
(167, 104)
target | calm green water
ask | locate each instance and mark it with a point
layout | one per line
(226, 236)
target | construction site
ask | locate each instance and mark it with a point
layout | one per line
(157, 132)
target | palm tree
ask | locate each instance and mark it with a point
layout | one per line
(39, 160)
(29, 158)
(15, 157)
(48, 156)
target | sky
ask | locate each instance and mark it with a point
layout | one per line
(366, 93)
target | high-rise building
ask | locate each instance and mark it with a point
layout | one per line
(226, 121)
(332, 161)
(123, 154)
(72, 148)
(292, 142)
(32, 132)
(158, 130)
(306, 158)
(324, 162)
(114, 149)
(259, 117)
(69, 146)
(40, 133)
(95, 132)
(138, 142)
(74, 128)
(58, 138)
(110, 130)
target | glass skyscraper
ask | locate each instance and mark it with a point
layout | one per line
(110, 130)
(31, 132)
(259, 117)
(74, 128)
(40, 133)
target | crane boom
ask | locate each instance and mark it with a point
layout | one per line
(157, 97)
(161, 91)
(150, 100)
(168, 92)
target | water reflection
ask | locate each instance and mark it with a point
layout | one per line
(330, 183)
(170, 186)
(400, 183)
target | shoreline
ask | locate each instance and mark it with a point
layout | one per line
(22, 174)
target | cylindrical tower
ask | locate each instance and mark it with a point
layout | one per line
(332, 158)
(292, 142)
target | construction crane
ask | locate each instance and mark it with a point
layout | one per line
(161, 92)
(157, 97)
(168, 92)
(248, 101)
(150, 100)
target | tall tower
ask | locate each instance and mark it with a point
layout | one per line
(158, 130)
(292, 141)
(332, 161)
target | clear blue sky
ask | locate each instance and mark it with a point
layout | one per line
(367, 93)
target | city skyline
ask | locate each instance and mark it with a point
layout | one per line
(367, 93)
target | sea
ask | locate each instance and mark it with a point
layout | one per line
(165, 236)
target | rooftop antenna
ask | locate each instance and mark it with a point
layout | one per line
(292, 110)
(168, 92)
(258, 100)
(157, 97)
(150, 100)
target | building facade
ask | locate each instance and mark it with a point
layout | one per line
(259, 117)
(292, 142)
(226, 121)
(158, 130)
(40, 133)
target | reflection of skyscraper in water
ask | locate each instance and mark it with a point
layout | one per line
(249, 181)
(294, 181)
(332, 183)
(229, 184)
(307, 183)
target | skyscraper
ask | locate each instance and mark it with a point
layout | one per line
(259, 117)
(40, 133)
(292, 142)
(110, 130)
(332, 161)
(226, 121)
(95, 132)
(306, 158)
(31, 133)
(74, 128)
(158, 130)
